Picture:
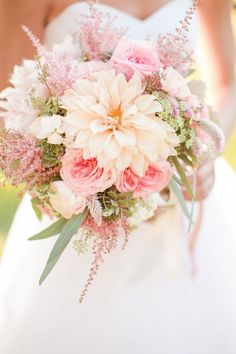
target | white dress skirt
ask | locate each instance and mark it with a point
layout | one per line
(145, 299)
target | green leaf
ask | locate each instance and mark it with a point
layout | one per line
(179, 195)
(48, 268)
(68, 231)
(183, 177)
(193, 204)
(112, 195)
(177, 180)
(52, 230)
(38, 213)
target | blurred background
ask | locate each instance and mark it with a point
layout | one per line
(9, 199)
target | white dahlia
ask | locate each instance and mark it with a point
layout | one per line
(111, 119)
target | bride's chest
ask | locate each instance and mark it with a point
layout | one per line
(136, 8)
(164, 20)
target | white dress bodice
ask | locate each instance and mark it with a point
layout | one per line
(164, 20)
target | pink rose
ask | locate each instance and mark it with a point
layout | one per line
(174, 84)
(132, 56)
(155, 179)
(84, 177)
(86, 69)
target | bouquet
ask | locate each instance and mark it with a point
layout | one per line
(100, 129)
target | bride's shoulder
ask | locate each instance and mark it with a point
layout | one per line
(58, 6)
(48, 9)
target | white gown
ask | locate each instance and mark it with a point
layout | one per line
(144, 299)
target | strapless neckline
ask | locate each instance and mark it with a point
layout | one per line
(110, 8)
(165, 19)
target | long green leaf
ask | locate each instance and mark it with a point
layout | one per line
(183, 177)
(177, 180)
(68, 231)
(52, 230)
(193, 204)
(37, 211)
(47, 270)
(179, 195)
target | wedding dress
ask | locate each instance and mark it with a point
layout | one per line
(145, 298)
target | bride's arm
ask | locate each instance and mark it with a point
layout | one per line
(14, 44)
(217, 59)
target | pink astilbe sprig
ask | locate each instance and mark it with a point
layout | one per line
(60, 72)
(56, 68)
(41, 50)
(105, 240)
(21, 160)
(210, 141)
(172, 47)
(96, 34)
(215, 133)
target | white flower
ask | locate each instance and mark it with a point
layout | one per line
(111, 119)
(64, 201)
(68, 47)
(49, 127)
(174, 83)
(15, 100)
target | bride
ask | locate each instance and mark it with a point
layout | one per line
(145, 299)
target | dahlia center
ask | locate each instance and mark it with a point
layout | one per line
(116, 113)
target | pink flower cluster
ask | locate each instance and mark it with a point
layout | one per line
(134, 56)
(97, 35)
(84, 177)
(21, 160)
(105, 242)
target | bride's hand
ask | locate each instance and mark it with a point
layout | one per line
(205, 179)
(225, 106)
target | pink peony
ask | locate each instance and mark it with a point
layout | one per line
(132, 56)
(174, 84)
(84, 177)
(86, 69)
(155, 179)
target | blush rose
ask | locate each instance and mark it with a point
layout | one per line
(174, 84)
(84, 176)
(155, 179)
(131, 56)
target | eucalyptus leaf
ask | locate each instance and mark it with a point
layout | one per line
(37, 211)
(179, 195)
(177, 180)
(183, 177)
(68, 231)
(193, 203)
(52, 230)
(48, 269)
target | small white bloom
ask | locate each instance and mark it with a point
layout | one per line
(64, 201)
(174, 83)
(55, 138)
(49, 127)
(67, 46)
(18, 112)
(145, 209)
